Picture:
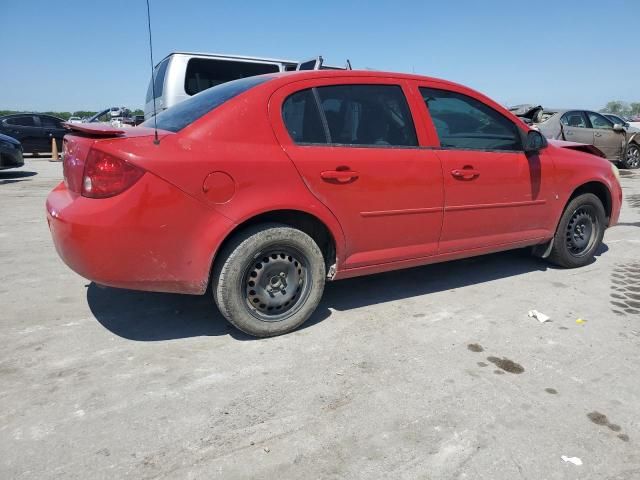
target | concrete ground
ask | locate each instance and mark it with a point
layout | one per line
(432, 373)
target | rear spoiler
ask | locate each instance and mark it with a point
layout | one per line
(94, 129)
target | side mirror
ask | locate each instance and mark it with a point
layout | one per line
(618, 128)
(534, 142)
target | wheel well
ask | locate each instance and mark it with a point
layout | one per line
(600, 190)
(303, 221)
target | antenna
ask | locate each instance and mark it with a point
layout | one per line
(153, 81)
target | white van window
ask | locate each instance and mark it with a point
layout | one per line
(203, 73)
(157, 82)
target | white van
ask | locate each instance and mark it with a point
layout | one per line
(180, 75)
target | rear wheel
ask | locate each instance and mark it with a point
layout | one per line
(632, 158)
(579, 233)
(269, 279)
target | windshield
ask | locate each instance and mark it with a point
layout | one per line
(188, 111)
(616, 119)
(156, 84)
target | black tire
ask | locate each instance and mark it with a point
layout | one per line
(632, 157)
(269, 279)
(579, 232)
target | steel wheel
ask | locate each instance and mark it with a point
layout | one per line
(632, 159)
(276, 284)
(581, 230)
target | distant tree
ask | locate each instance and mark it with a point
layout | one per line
(634, 108)
(616, 107)
(62, 115)
(137, 112)
(83, 113)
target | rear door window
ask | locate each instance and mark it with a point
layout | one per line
(462, 122)
(50, 122)
(359, 115)
(574, 119)
(203, 73)
(374, 115)
(302, 118)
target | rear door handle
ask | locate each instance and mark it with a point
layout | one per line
(465, 173)
(340, 176)
(597, 134)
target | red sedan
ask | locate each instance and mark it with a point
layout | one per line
(268, 186)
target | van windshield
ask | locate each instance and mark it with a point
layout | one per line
(188, 111)
(156, 85)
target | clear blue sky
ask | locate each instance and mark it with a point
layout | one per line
(88, 54)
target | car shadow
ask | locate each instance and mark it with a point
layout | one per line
(8, 176)
(145, 316)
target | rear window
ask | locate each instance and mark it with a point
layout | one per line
(203, 73)
(187, 112)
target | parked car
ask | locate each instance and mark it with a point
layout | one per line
(74, 120)
(33, 130)
(265, 187)
(585, 126)
(115, 112)
(616, 119)
(10, 153)
(635, 121)
(180, 75)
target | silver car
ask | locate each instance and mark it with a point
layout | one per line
(618, 143)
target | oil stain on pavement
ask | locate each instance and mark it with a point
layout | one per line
(507, 365)
(602, 420)
(504, 364)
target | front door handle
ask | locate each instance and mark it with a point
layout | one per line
(597, 134)
(465, 173)
(340, 176)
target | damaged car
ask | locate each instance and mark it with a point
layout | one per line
(618, 143)
(259, 190)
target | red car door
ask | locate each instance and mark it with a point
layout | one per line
(495, 195)
(356, 147)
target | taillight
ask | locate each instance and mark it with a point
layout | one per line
(106, 175)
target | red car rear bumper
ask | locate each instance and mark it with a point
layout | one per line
(151, 237)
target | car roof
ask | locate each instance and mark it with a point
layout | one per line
(564, 110)
(287, 77)
(21, 114)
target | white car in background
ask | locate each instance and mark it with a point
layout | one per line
(74, 120)
(630, 126)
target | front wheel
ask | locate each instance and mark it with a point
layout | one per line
(579, 233)
(632, 158)
(269, 279)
